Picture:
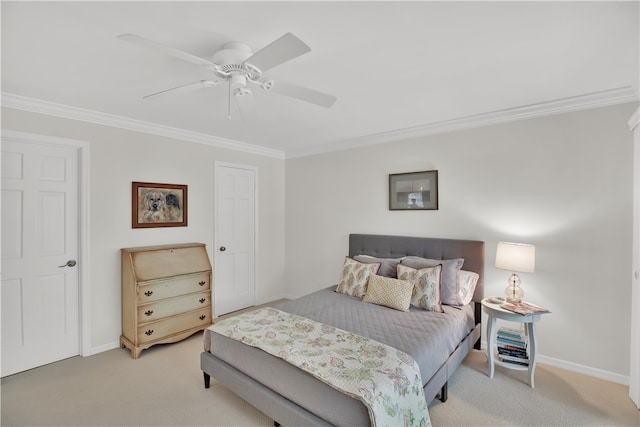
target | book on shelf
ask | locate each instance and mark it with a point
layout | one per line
(524, 308)
(511, 333)
(514, 360)
(512, 343)
(509, 337)
(515, 352)
(512, 346)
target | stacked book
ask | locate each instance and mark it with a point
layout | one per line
(512, 346)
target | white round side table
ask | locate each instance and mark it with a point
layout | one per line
(494, 311)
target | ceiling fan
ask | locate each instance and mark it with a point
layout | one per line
(236, 65)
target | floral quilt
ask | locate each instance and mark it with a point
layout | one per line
(386, 380)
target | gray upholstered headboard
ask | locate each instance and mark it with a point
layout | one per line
(398, 246)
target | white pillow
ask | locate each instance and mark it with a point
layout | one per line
(467, 281)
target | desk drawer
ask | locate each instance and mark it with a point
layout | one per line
(172, 325)
(170, 306)
(154, 290)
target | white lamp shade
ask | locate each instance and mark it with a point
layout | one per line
(516, 257)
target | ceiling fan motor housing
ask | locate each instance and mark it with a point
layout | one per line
(232, 53)
(230, 64)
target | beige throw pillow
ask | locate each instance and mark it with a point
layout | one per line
(392, 293)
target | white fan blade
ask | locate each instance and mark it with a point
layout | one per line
(281, 50)
(182, 88)
(304, 94)
(132, 38)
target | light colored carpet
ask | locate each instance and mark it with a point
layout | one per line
(164, 387)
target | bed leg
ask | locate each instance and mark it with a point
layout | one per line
(207, 379)
(477, 314)
(444, 392)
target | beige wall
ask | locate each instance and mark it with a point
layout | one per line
(563, 183)
(118, 157)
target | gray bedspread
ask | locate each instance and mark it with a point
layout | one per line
(428, 337)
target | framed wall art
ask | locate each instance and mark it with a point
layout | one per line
(413, 191)
(158, 205)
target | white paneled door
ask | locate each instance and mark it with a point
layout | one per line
(234, 264)
(40, 293)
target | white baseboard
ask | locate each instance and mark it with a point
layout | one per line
(275, 298)
(580, 369)
(586, 370)
(106, 347)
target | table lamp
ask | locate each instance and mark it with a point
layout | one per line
(517, 258)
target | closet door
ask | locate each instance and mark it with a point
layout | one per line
(40, 280)
(235, 250)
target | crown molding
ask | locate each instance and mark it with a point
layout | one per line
(65, 111)
(564, 105)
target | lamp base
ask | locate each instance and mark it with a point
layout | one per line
(514, 292)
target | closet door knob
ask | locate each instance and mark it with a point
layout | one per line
(70, 263)
(222, 249)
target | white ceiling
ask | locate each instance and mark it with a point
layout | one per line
(395, 67)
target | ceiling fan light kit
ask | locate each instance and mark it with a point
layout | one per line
(237, 65)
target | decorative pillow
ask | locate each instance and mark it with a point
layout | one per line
(355, 276)
(387, 265)
(392, 293)
(467, 281)
(449, 291)
(426, 286)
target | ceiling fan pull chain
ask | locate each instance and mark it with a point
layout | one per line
(229, 102)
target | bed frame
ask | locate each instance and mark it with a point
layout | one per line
(288, 413)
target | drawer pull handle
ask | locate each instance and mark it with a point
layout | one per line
(202, 317)
(148, 312)
(148, 293)
(202, 283)
(149, 332)
(202, 300)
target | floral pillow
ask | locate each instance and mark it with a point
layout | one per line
(355, 276)
(426, 286)
(449, 287)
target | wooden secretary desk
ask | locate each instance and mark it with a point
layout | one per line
(166, 294)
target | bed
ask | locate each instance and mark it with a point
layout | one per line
(291, 396)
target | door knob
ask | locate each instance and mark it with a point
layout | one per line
(70, 263)
(222, 249)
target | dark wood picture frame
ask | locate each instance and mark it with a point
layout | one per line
(158, 205)
(413, 191)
